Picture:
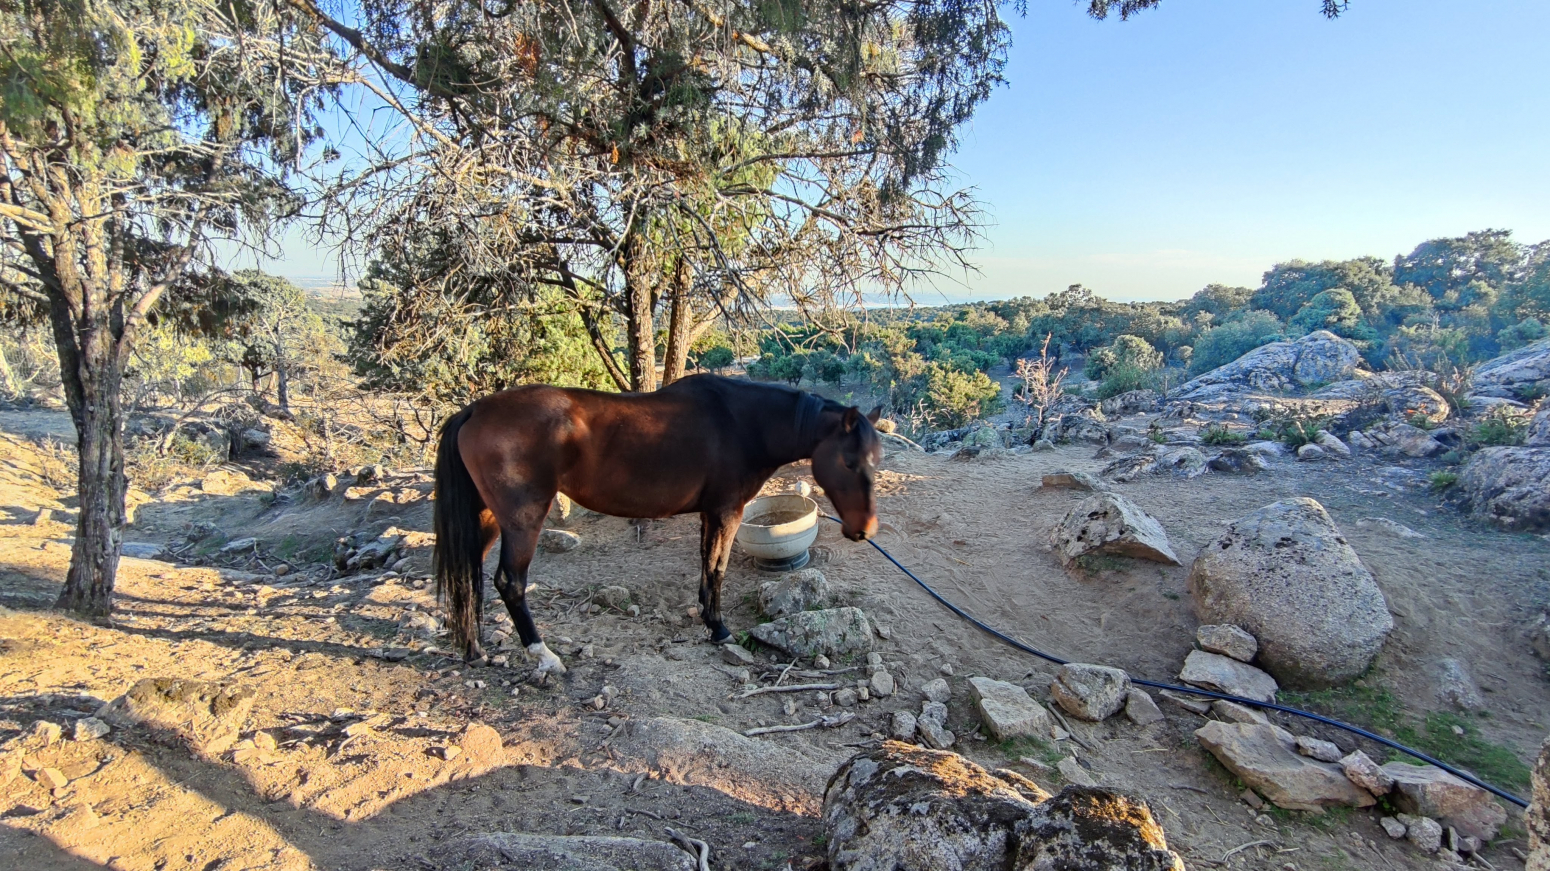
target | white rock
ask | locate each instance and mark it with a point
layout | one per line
(90, 728)
(936, 690)
(1393, 828)
(1367, 774)
(1228, 640)
(1090, 692)
(1073, 772)
(1313, 748)
(1226, 675)
(1265, 758)
(1107, 523)
(1007, 710)
(1140, 709)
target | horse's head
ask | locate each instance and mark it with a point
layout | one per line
(844, 464)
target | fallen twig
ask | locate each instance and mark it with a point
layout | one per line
(695, 847)
(1070, 731)
(785, 672)
(1249, 846)
(1188, 787)
(794, 688)
(822, 722)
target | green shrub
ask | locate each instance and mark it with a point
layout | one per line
(1123, 378)
(716, 358)
(1217, 434)
(1221, 345)
(1500, 427)
(1293, 431)
(1440, 481)
(954, 398)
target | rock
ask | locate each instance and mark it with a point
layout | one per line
(142, 550)
(1423, 832)
(1506, 487)
(1131, 402)
(1311, 452)
(1188, 703)
(90, 729)
(1506, 375)
(1537, 818)
(1332, 444)
(448, 752)
(754, 771)
(1041, 445)
(562, 511)
(558, 541)
(239, 544)
(807, 634)
(936, 690)
(1359, 441)
(1390, 527)
(902, 728)
(846, 698)
(1432, 792)
(1233, 712)
(1090, 692)
(321, 487)
(254, 438)
(51, 778)
(1367, 774)
(44, 734)
(1073, 772)
(534, 852)
(1323, 751)
(1227, 675)
(1539, 635)
(206, 715)
(1228, 640)
(1266, 760)
(1237, 461)
(736, 655)
(1140, 708)
(225, 482)
(1007, 710)
(1186, 462)
(1538, 435)
(482, 745)
(885, 426)
(1286, 575)
(901, 808)
(931, 726)
(1267, 450)
(1280, 367)
(1127, 469)
(882, 684)
(1107, 523)
(615, 597)
(1455, 687)
(1072, 481)
(803, 590)
(1393, 828)
(1416, 402)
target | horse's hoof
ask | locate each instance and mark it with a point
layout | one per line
(720, 637)
(548, 662)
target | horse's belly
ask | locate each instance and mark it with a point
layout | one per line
(637, 489)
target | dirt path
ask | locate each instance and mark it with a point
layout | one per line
(357, 778)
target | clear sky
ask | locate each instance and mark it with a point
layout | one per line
(1205, 140)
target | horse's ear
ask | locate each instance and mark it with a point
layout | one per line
(852, 417)
(874, 414)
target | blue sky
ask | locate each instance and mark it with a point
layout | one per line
(1208, 139)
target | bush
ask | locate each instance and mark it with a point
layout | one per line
(1500, 428)
(1294, 431)
(1124, 351)
(1125, 377)
(1440, 481)
(1216, 434)
(1521, 333)
(1222, 345)
(716, 358)
(955, 398)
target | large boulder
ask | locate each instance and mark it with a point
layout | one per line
(1538, 435)
(829, 631)
(1265, 758)
(1280, 367)
(1537, 820)
(207, 715)
(1111, 524)
(1431, 792)
(903, 808)
(520, 851)
(1514, 370)
(1506, 486)
(1286, 575)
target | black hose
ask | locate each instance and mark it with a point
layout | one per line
(1356, 730)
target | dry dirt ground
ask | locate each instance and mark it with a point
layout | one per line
(310, 643)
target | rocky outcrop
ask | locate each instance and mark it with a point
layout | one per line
(1509, 373)
(1265, 758)
(1110, 524)
(1506, 487)
(1538, 435)
(1280, 367)
(829, 631)
(903, 808)
(1287, 576)
(1131, 402)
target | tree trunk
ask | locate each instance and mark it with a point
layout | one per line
(680, 319)
(640, 329)
(282, 376)
(98, 412)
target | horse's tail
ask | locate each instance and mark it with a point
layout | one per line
(459, 543)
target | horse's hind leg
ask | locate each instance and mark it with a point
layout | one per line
(717, 530)
(520, 527)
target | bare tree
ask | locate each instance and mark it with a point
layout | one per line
(1042, 384)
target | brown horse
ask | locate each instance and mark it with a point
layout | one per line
(704, 444)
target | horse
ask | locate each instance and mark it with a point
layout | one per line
(703, 445)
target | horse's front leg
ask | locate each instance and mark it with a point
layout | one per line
(717, 531)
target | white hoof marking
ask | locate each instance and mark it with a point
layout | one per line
(547, 661)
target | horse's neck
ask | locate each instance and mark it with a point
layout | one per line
(803, 430)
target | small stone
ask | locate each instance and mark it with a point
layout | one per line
(1313, 748)
(46, 733)
(936, 690)
(558, 541)
(882, 684)
(735, 654)
(846, 698)
(874, 660)
(1228, 640)
(903, 726)
(1071, 481)
(1090, 692)
(1188, 703)
(1227, 675)
(1367, 774)
(946, 668)
(613, 596)
(1007, 710)
(265, 741)
(1424, 832)
(1311, 451)
(1073, 772)
(883, 632)
(821, 661)
(931, 725)
(863, 694)
(52, 778)
(1140, 709)
(1252, 799)
(1393, 828)
(449, 752)
(803, 590)
(1455, 687)
(90, 728)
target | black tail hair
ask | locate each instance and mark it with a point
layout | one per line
(459, 542)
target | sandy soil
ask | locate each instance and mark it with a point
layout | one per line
(310, 643)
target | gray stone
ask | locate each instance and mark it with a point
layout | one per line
(1140, 708)
(1455, 687)
(1073, 772)
(1393, 828)
(1266, 759)
(1423, 832)
(807, 634)
(901, 808)
(1233, 712)
(1539, 635)
(1432, 792)
(1311, 452)
(931, 726)
(1185, 462)
(1538, 435)
(1131, 402)
(803, 590)
(1237, 461)
(1537, 818)
(558, 541)
(90, 729)
(1516, 369)
(142, 550)
(1506, 487)
(902, 727)
(534, 852)
(1107, 523)
(1072, 481)
(1367, 774)
(846, 697)
(1390, 527)
(736, 654)
(936, 690)
(1090, 692)
(613, 596)
(1286, 575)
(1007, 710)
(882, 684)
(1314, 748)
(238, 544)
(1226, 675)
(1228, 640)
(1280, 367)
(1332, 444)
(206, 715)
(1041, 445)
(1268, 450)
